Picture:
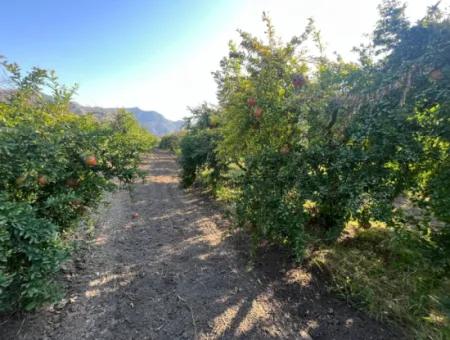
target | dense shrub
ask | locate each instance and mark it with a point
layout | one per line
(322, 143)
(198, 146)
(337, 140)
(53, 165)
(171, 142)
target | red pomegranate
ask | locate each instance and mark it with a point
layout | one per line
(258, 112)
(42, 181)
(298, 80)
(251, 102)
(436, 74)
(90, 160)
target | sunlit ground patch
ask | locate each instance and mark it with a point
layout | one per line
(298, 276)
(108, 282)
(101, 240)
(162, 179)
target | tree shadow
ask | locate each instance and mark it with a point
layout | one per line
(176, 272)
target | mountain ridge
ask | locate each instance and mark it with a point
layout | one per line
(153, 121)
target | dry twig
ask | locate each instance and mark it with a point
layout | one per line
(192, 315)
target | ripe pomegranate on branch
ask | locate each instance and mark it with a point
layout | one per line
(90, 160)
(251, 102)
(258, 112)
(298, 80)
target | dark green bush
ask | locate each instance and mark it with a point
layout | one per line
(171, 142)
(322, 145)
(198, 146)
(337, 140)
(53, 166)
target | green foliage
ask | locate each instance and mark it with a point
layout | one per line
(53, 165)
(31, 252)
(171, 142)
(321, 142)
(391, 25)
(347, 137)
(198, 146)
(289, 138)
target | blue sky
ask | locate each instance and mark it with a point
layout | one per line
(159, 55)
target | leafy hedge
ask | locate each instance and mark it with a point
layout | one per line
(198, 146)
(323, 142)
(171, 142)
(53, 165)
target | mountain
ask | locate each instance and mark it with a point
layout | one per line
(156, 122)
(153, 121)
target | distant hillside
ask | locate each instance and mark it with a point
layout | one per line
(151, 120)
(155, 122)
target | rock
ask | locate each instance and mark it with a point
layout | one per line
(305, 336)
(61, 304)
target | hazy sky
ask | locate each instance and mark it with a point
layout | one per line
(159, 55)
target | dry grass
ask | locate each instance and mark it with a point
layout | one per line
(391, 275)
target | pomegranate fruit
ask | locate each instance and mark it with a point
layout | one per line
(298, 80)
(251, 102)
(42, 181)
(90, 160)
(258, 112)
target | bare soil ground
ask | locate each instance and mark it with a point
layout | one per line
(176, 272)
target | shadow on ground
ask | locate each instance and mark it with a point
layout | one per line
(175, 272)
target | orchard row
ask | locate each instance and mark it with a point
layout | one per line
(54, 165)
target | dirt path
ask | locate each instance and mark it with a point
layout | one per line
(175, 273)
